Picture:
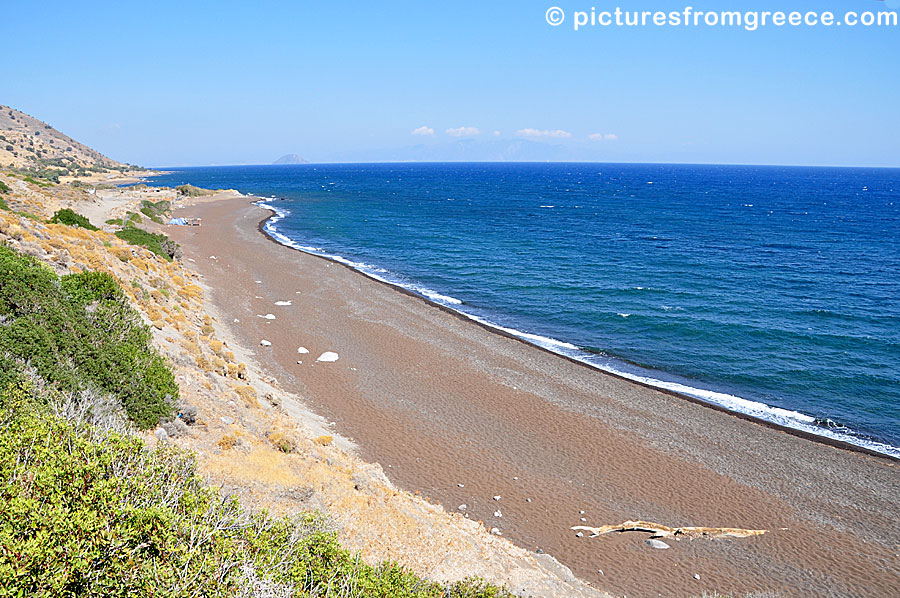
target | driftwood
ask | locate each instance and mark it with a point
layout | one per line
(663, 531)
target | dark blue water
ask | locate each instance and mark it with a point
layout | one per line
(771, 290)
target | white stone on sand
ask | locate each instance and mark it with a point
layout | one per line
(265, 343)
(302, 350)
(266, 317)
(328, 356)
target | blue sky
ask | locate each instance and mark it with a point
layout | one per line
(191, 83)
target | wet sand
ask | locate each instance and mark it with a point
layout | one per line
(440, 401)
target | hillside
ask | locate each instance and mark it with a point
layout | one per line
(27, 143)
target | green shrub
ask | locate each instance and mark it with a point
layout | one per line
(4, 188)
(155, 211)
(70, 218)
(192, 191)
(3, 204)
(115, 221)
(78, 332)
(92, 514)
(159, 244)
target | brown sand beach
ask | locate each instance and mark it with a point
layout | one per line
(463, 415)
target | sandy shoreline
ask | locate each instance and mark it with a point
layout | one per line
(439, 402)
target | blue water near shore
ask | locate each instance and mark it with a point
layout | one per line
(772, 291)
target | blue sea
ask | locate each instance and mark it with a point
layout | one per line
(774, 291)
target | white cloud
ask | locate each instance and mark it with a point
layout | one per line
(496, 133)
(558, 133)
(425, 131)
(603, 137)
(463, 132)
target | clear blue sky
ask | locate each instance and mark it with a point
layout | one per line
(192, 83)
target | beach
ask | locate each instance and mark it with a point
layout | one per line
(464, 415)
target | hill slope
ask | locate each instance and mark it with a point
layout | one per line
(26, 142)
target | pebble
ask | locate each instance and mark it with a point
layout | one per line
(697, 576)
(583, 519)
(579, 535)
(581, 512)
(496, 531)
(265, 343)
(654, 543)
(328, 356)
(227, 420)
(302, 350)
(497, 497)
(527, 500)
(497, 513)
(600, 571)
(299, 362)
(461, 485)
(461, 508)
(266, 317)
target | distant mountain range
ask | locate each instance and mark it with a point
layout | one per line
(290, 159)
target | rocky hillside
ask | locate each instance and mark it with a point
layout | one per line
(27, 143)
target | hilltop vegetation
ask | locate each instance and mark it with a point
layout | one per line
(32, 147)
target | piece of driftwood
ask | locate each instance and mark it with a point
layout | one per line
(663, 531)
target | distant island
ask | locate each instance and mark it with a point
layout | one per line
(290, 159)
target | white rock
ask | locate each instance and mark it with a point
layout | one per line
(461, 485)
(236, 320)
(581, 512)
(282, 303)
(265, 343)
(654, 543)
(266, 317)
(212, 257)
(527, 500)
(697, 576)
(328, 356)
(161, 434)
(497, 513)
(496, 531)
(299, 363)
(497, 497)
(579, 535)
(302, 350)
(227, 420)
(461, 508)
(583, 519)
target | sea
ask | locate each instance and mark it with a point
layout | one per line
(770, 291)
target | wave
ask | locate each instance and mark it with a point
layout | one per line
(796, 420)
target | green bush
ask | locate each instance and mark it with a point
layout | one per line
(4, 188)
(3, 204)
(155, 211)
(93, 514)
(71, 218)
(192, 191)
(79, 333)
(159, 244)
